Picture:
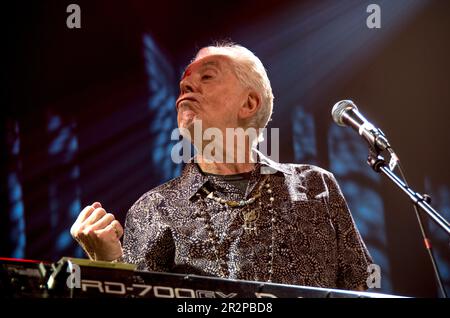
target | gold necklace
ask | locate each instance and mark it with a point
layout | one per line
(250, 216)
(241, 203)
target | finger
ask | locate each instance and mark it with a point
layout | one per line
(103, 222)
(85, 213)
(96, 215)
(114, 230)
(96, 205)
(118, 227)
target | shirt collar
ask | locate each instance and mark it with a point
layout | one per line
(193, 179)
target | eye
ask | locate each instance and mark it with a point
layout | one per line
(206, 77)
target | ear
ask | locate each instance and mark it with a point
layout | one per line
(250, 107)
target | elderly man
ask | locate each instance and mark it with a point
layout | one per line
(229, 218)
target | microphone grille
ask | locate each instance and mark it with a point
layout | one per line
(340, 108)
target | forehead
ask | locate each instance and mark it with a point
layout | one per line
(221, 62)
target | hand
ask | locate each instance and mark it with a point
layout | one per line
(98, 233)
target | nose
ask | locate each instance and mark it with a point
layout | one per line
(186, 86)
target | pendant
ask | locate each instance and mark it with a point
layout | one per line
(250, 217)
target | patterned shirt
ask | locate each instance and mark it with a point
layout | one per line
(302, 232)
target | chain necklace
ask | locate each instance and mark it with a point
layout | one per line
(249, 215)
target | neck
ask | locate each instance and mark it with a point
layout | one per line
(235, 158)
(225, 168)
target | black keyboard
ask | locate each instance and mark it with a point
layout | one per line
(80, 278)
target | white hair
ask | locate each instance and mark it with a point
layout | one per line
(251, 73)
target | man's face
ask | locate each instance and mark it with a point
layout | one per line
(210, 92)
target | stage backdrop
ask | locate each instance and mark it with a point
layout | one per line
(88, 112)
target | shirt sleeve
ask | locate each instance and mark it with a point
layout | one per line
(148, 241)
(353, 256)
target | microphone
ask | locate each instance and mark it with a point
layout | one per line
(345, 113)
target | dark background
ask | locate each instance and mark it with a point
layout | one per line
(87, 113)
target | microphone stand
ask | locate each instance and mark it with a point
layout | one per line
(378, 164)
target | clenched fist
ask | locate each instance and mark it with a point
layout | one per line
(98, 233)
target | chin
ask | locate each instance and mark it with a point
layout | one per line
(189, 124)
(186, 129)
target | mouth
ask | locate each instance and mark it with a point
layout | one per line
(183, 100)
